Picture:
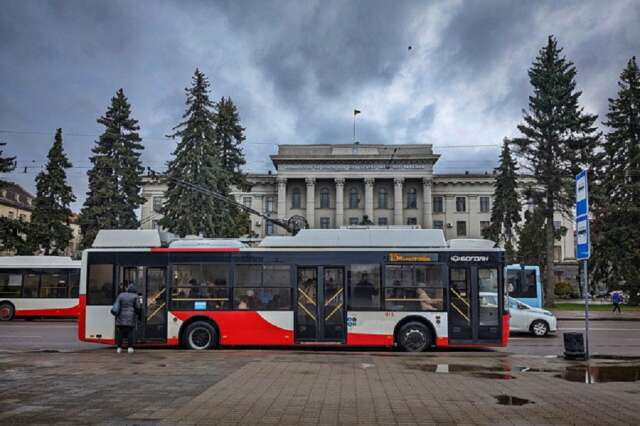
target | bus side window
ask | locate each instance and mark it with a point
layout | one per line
(529, 284)
(31, 284)
(10, 284)
(74, 283)
(100, 285)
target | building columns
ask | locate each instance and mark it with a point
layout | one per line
(397, 201)
(427, 208)
(368, 197)
(311, 201)
(339, 202)
(282, 198)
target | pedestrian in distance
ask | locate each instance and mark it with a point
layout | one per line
(616, 299)
(126, 309)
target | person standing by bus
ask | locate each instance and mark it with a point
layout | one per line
(126, 308)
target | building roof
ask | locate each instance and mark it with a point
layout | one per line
(12, 194)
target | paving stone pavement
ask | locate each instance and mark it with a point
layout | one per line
(287, 387)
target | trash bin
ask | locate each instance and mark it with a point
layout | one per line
(574, 345)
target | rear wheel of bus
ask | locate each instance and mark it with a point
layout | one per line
(414, 337)
(7, 311)
(200, 335)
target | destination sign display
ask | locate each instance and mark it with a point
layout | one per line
(412, 257)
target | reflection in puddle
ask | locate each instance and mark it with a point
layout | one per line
(601, 374)
(484, 372)
(511, 400)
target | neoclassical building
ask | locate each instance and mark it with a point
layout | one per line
(334, 185)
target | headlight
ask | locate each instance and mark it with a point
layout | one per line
(548, 313)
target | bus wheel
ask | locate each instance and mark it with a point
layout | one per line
(539, 328)
(414, 337)
(200, 335)
(6, 311)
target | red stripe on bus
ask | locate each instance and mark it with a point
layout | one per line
(242, 328)
(442, 341)
(367, 339)
(195, 250)
(82, 320)
(72, 312)
(505, 329)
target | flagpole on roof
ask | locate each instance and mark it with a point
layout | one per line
(355, 112)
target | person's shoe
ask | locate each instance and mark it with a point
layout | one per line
(119, 350)
(130, 350)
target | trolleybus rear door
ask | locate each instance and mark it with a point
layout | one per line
(320, 312)
(460, 305)
(155, 304)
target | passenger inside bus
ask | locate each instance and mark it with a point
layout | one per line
(364, 291)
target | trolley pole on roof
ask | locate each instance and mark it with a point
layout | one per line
(583, 244)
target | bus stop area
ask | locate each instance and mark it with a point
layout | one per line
(78, 383)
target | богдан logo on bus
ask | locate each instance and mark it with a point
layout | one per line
(469, 258)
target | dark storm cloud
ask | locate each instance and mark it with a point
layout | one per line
(296, 70)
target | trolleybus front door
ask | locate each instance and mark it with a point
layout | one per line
(320, 311)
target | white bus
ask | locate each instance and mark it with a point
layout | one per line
(357, 287)
(38, 286)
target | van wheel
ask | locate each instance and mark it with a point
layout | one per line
(414, 337)
(200, 335)
(7, 311)
(539, 328)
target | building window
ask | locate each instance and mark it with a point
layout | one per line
(557, 254)
(412, 221)
(461, 204)
(246, 201)
(557, 225)
(22, 217)
(324, 223)
(484, 224)
(412, 198)
(383, 221)
(354, 221)
(11, 215)
(270, 205)
(157, 204)
(438, 204)
(354, 199)
(461, 228)
(296, 200)
(438, 224)
(269, 228)
(324, 198)
(154, 224)
(382, 198)
(485, 204)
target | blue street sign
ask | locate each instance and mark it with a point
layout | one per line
(583, 249)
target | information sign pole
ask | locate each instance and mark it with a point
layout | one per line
(583, 244)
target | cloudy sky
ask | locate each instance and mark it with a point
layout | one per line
(296, 70)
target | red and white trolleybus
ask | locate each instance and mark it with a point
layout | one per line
(38, 286)
(355, 287)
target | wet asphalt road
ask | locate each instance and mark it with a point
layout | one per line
(607, 338)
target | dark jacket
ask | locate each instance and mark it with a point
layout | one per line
(126, 307)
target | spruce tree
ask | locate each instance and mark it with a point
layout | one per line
(615, 232)
(50, 230)
(558, 140)
(505, 213)
(7, 164)
(197, 161)
(531, 242)
(115, 180)
(229, 138)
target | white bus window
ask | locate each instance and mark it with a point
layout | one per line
(31, 284)
(100, 285)
(10, 285)
(53, 284)
(364, 287)
(413, 288)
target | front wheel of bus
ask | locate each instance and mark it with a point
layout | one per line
(200, 335)
(6, 311)
(414, 337)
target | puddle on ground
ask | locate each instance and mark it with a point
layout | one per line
(601, 373)
(483, 372)
(512, 400)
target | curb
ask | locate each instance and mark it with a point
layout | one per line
(596, 319)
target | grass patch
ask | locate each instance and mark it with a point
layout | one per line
(593, 307)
